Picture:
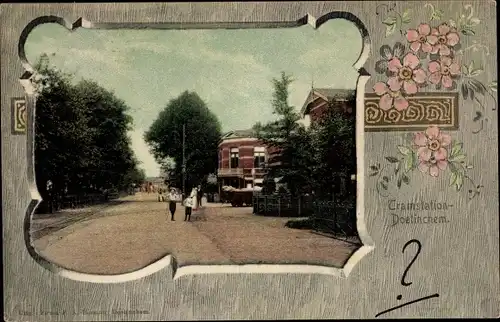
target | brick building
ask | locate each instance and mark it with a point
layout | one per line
(242, 158)
(317, 102)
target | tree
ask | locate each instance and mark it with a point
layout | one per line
(334, 143)
(202, 137)
(135, 176)
(109, 123)
(288, 138)
(81, 142)
(62, 142)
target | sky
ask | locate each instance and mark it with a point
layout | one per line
(230, 69)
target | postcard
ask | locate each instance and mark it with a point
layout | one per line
(237, 160)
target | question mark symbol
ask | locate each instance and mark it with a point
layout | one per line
(403, 282)
(413, 241)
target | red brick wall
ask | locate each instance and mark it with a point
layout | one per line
(246, 153)
(319, 107)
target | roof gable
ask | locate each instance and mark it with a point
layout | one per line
(326, 94)
(249, 133)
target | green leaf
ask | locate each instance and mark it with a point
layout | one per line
(465, 90)
(465, 70)
(493, 86)
(403, 150)
(386, 179)
(458, 157)
(410, 161)
(389, 30)
(470, 68)
(456, 149)
(459, 181)
(384, 186)
(406, 16)
(468, 32)
(374, 168)
(476, 72)
(406, 179)
(373, 174)
(453, 178)
(389, 21)
(453, 167)
(437, 14)
(399, 182)
(392, 159)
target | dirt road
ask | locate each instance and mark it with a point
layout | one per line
(136, 231)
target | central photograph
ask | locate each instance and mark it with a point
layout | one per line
(215, 146)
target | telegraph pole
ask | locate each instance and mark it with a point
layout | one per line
(184, 158)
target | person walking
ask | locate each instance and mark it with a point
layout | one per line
(189, 203)
(172, 203)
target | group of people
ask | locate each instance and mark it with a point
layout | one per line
(190, 202)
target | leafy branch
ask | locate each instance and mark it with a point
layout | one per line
(465, 24)
(458, 169)
(436, 14)
(402, 166)
(396, 21)
(471, 87)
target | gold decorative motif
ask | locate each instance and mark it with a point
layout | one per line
(424, 109)
(19, 115)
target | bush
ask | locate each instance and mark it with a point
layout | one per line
(300, 224)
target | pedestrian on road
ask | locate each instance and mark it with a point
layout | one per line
(172, 203)
(160, 195)
(199, 195)
(189, 203)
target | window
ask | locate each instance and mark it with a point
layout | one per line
(259, 159)
(235, 156)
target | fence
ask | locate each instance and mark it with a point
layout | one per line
(282, 205)
(75, 201)
(336, 218)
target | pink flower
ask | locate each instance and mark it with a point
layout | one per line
(446, 37)
(390, 95)
(433, 166)
(432, 155)
(407, 74)
(421, 38)
(443, 71)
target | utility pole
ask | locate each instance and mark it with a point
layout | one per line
(184, 158)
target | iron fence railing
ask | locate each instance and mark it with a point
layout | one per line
(337, 218)
(282, 205)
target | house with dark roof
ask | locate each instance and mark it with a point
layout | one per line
(319, 100)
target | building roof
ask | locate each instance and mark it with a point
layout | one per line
(236, 134)
(326, 94)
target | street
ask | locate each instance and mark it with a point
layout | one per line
(134, 231)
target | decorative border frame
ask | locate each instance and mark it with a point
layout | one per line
(19, 115)
(426, 108)
(33, 291)
(368, 245)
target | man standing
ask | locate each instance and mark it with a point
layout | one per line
(199, 195)
(172, 203)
